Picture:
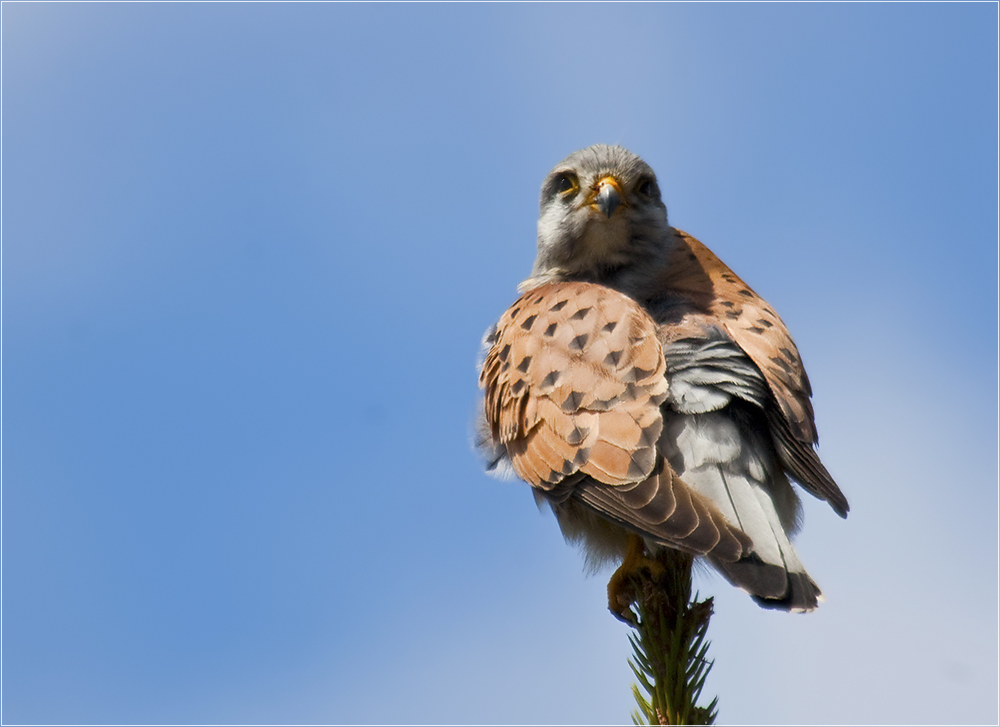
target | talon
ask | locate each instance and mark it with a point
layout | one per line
(624, 583)
(620, 600)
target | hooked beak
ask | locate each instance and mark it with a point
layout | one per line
(608, 196)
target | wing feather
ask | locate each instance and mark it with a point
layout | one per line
(574, 380)
(705, 295)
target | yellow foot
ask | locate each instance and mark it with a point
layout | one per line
(625, 582)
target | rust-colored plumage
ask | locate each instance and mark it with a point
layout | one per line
(641, 387)
(706, 295)
(574, 384)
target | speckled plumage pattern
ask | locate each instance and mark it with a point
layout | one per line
(638, 385)
(574, 382)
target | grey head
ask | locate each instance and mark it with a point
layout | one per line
(601, 220)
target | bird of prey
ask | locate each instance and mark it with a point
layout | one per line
(643, 389)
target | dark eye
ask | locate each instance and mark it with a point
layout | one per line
(565, 182)
(646, 187)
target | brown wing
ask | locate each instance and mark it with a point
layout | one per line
(574, 381)
(721, 298)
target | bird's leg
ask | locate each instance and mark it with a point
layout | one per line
(623, 588)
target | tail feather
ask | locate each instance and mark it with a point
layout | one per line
(723, 462)
(772, 573)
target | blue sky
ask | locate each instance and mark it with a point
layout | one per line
(249, 251)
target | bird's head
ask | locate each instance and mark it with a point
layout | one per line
(601, 215)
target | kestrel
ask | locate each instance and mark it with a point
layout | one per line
(643, 389)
